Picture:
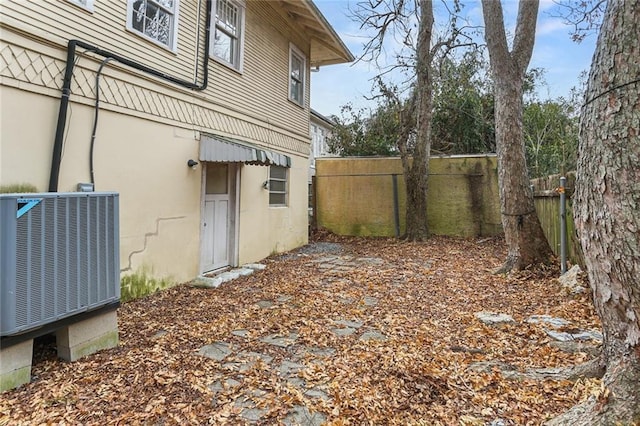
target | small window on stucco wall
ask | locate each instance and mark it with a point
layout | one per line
(278, 184)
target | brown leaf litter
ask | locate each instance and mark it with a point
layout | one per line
(370, 331)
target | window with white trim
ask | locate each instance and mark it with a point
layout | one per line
(297, 67)
(228, 32)
(155, 20)
(85, 4)
(278, 183)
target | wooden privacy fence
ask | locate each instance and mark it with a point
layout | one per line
(366, 196)
(547, 201)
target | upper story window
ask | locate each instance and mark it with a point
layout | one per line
(85, 4)
(228, 32)
(155, 20)
(297, 67)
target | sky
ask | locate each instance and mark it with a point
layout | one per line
(562, 59)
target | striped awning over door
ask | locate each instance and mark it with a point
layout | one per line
(220, 149)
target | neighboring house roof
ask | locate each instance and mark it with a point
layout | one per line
(317, 117)
(326, 46)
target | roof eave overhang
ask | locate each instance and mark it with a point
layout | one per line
(326, 46)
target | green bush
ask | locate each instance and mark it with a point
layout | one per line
(140, 284)
(17, 188)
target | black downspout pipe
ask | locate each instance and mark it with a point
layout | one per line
(56, 157)
(62, 118)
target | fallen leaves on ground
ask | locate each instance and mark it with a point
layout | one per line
(421, 297)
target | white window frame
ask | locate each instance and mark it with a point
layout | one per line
(238, 59)
(173, 38)
(86, 5)
(293, 50)
(279, 192)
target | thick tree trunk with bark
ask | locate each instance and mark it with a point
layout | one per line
(607, 213)
(415, 162)
(524, 236)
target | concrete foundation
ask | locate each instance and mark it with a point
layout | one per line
(88, 336)
(15, 365)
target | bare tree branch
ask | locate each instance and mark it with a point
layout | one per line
(585, 16)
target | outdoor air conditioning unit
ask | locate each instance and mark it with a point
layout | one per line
(59, 256)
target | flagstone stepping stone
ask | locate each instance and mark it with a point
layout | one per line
(301, 416)
(255, 356)
(371, 260)
(240, 367)
(217, 280)
(344, 268)
(249, 410)
(280, 340)
(255, 266)
(264, 304)
(219, 386)
(325, 260)
(288, 368)
(317, 393)
(370, 301)
(217, 351)
(241, 333)
(296, 382)
(576, 346)
(372, 335)
(347, 331)
(320, 352)
(160, 334)
(492, 318)
(244, 402)
(229, 276)
(320, 248)
(549, 320)
(253, 414)
(563, 336)
(244, 361)
(243, 272)
(283, 298)
(207, 282)
(350, 324)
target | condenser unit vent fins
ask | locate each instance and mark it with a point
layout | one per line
(59, 256)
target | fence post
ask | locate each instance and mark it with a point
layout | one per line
(563, 225)
(314, 204)
(396, 207)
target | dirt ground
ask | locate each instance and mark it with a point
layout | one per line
(342, 331)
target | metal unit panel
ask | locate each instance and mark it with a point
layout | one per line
(59, 256)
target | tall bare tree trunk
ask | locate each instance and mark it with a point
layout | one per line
(416, 163)
(525, 238)
(607, 213)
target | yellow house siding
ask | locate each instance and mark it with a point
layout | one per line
(258, 95)
(262, 89)
(26, 64)
(106, 28)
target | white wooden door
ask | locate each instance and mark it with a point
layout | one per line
(216, 218)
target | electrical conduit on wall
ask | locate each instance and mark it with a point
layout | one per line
(56, 157)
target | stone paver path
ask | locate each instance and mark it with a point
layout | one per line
(300, 358)
(290, 370)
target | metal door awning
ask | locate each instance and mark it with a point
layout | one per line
(220, 149)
